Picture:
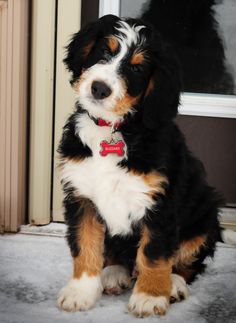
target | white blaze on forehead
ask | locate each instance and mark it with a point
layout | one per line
(130, 33)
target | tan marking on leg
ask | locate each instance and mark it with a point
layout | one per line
(186, 255)
(113, 44)
(187, 251)
(91, 243)
(154, 276)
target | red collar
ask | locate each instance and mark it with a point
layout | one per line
(104, 123)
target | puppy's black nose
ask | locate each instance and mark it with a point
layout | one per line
(100, 90)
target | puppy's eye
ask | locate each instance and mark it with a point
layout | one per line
(136, 68)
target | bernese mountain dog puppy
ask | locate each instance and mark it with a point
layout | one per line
(136, 200)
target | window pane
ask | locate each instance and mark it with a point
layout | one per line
(202, 33)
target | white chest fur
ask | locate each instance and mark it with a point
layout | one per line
(120, 196)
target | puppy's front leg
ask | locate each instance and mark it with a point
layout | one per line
(85, 288)
(153, 286)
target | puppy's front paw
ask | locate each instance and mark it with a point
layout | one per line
(115, 279)
(142, 305)
(179, 289)
(80, 294)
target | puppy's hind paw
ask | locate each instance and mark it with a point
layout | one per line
(179, 289)
(115, 279)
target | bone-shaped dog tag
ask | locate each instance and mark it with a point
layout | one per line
(112, 148)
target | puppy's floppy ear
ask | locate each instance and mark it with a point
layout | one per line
(162, 95)
(82, 43)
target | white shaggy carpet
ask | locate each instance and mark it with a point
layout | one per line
(34, 268)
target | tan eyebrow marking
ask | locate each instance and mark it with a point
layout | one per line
(113, 44)
(137, 58)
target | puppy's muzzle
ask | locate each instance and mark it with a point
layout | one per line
(100, 90)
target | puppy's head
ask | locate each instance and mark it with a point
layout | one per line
(120, 67)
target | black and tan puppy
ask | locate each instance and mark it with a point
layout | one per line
(135, 197)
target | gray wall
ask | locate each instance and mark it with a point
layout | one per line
(213, 141)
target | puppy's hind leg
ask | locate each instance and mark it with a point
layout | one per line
(115, 279)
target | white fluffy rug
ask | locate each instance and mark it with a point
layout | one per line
(34, 268)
